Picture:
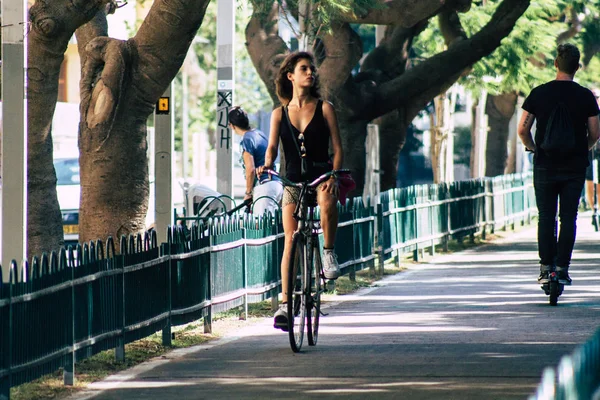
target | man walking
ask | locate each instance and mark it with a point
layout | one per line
(567, 127)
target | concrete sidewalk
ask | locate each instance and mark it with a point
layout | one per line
(470, 325)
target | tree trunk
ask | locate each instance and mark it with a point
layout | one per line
(52, 25)
(121, 82)
(442, 150)
(479, 135)
(353, 136)
(474, 128)
(392, 130)
(499, 110)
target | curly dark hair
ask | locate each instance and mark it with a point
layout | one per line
(567, 58)
(283, 84)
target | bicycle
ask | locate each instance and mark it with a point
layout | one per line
(306, 280)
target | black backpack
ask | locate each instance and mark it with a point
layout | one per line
(559, 138)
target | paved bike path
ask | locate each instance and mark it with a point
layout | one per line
(470, 325)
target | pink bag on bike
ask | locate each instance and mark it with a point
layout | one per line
(345, 184)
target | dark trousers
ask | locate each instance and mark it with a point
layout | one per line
(552, 187)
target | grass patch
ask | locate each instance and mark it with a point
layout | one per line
(255, 310)
(363, 278)
(104, 364)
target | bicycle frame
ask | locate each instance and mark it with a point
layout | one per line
(305, 208)
(304, 213)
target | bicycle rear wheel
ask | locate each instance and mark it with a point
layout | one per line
(313, 307)
(296, 295)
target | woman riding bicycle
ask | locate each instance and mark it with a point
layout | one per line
(306, 125)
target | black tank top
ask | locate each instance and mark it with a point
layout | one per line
(316, 141)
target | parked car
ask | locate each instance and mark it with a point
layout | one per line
(68, 191)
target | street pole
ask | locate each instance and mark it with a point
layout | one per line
(225, 82)
(163, 164)
(372, 187)
(480, 145)
(13, 178)
(521, 160)
(449, 106)
(185, 122)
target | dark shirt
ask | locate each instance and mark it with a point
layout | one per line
(581, 103)
(316, 141)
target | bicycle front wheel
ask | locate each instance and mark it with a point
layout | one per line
(296, 297)
(313, 307)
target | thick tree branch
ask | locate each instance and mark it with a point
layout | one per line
(423, 98)
(391, 56)
(382, 64)
(103, 62)
(451, 28)
(589, 51)
(100, 97)
(437, 70)
(97, 26)
(162, 43)
(575, 26)
(52, 25)
(265, 46)
(343, 50)
(405, 13)
(461, 6)
(591, 40)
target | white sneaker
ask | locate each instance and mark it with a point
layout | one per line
(331, 269)
(281, 318)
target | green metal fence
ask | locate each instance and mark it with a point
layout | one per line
(577, 376)
(424, 216)
(65, 308)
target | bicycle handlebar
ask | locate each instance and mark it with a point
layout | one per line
(245, 203)
(312, 184)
